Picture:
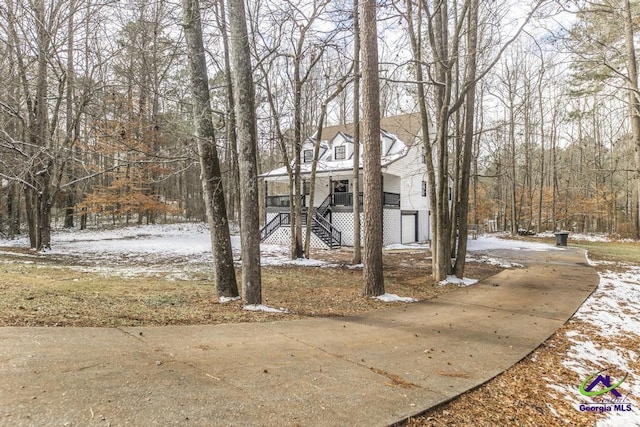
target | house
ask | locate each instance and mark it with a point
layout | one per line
(404, 177)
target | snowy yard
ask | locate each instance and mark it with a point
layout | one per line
(607, 336)
(171, 250)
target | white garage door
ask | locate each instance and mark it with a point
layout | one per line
(408, 228)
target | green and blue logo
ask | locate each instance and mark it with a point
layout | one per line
(605, 380)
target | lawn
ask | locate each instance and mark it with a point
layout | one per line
(47, 290)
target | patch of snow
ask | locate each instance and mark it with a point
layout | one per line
(612, 315)
(404, 246)
(174, 251)
(453, 280)
(264, 308)
(394, 298)
(494, 261)
(486, 242)
(224, 300)
(578, 236)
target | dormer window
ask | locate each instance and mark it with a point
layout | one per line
(308, 156)
(340, 152)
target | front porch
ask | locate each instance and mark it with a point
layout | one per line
(334, 200)
(332, 218)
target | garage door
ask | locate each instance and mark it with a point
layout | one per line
(409, 232)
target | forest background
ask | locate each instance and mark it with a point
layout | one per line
(96, 112)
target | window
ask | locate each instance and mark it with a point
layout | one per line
(306, 187)
(341, 152)
(424, 188)
(308, 156)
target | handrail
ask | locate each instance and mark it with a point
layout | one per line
(324, 206)
(333, 232)
(281, 218)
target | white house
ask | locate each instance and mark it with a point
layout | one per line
(405, 194)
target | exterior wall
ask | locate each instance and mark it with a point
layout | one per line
(392, 183)
(321, 191)
(412, 173)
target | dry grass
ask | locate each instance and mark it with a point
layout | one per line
(47, 294)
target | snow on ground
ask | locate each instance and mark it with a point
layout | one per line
(264, 308)
(394, 298)
(486, 242)
(578, 236)
(453, 280)
(610, 340)
(178, 251)
(175, 251)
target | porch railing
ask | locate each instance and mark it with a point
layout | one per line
(283, 218)
(329, 234)
(281, 201)
(322, 228)
(346, 199)
(334, 199)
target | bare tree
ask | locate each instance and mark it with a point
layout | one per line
(634, 99)
(224, 272)
(247, 160)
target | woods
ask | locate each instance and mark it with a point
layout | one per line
(143, 112)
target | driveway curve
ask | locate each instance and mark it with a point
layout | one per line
(374, 369)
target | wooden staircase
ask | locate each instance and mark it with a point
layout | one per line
(322, 228)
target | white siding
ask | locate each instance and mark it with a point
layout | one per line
(321, 191)
(392, 184)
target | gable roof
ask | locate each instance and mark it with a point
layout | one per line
(405, 127)
(401, 130)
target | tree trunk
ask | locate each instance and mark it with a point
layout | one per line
(296, 220)
(234, 197)
(634, 104)
(357, 246)
(469, 127)
(373, 277)
(223, 271)
(247, 153)
(415, 37)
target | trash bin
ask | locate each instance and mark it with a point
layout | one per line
(561, 238)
